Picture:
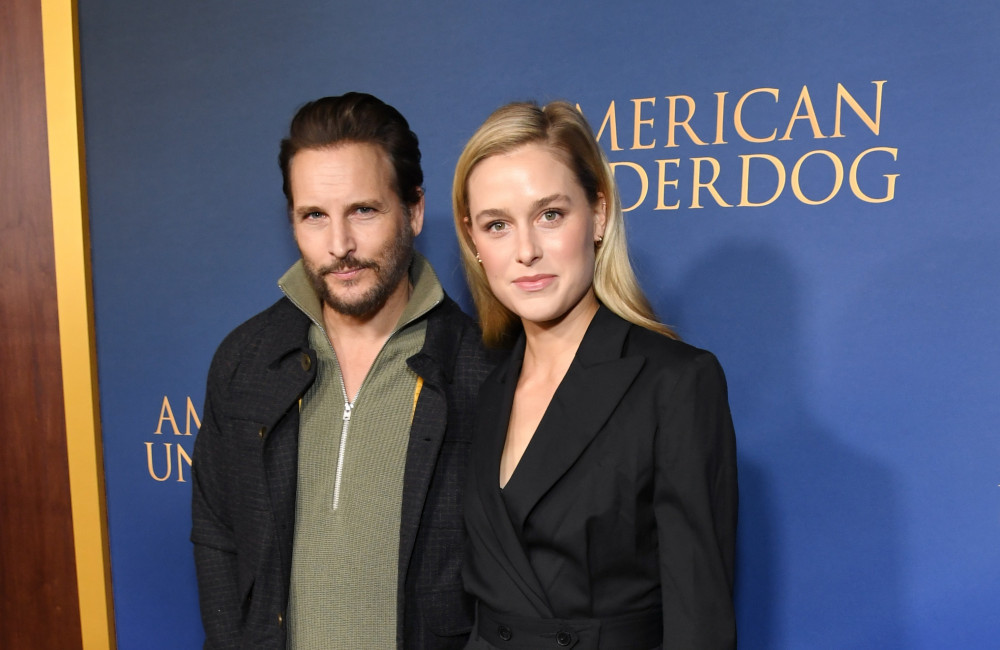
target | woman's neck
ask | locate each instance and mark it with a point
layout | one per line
(550, 347)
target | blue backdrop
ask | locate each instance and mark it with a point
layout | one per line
(851, 294)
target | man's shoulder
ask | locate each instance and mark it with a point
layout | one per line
(449, 322)
(456, 340)
(281, 322)
(448, 314)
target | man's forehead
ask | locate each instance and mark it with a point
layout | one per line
(348, 164)
(364, 153)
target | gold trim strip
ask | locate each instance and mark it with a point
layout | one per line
(70, 227)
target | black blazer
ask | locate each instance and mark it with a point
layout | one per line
(245, 469)
(624, 500)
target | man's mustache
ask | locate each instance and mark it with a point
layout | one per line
(349, 263)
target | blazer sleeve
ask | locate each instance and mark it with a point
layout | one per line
(212, 528)
(695, 504)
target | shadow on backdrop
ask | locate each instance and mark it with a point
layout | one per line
(819, 541)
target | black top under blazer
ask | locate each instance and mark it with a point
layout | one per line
(625, 500)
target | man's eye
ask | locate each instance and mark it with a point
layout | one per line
(313, 215)
(365, 209)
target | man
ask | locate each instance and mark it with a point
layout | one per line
(328, 470)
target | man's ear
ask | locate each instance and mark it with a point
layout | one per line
(417, 215)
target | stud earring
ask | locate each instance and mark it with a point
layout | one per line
(478, 259)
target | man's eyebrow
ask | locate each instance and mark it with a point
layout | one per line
(303, 210)
(377, 204)
(366, 203)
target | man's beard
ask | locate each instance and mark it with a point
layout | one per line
(390, 267)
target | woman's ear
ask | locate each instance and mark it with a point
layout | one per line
(600, 217)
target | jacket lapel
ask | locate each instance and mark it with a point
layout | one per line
(285, 368)
(435, 365)
(280, 444)
(496, 398)
(593, 386)
(427, 432)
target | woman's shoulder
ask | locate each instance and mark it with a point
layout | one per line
(666, 353)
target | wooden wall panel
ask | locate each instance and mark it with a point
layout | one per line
(38, 588)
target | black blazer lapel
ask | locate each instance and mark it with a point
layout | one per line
(496, 398)
(593, 386)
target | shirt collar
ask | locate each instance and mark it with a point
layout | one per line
(427, 292)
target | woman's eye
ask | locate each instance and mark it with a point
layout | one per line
(550, 216)
(496, 226)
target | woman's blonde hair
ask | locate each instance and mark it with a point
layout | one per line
(559, 126)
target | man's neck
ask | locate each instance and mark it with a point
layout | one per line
(378, 324)
(358, 340)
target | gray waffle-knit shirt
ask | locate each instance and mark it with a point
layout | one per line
(350, 481)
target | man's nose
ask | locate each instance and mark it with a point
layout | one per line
(341, 242)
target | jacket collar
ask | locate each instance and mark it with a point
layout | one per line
(594, 385)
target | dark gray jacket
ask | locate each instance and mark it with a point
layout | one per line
(244, 479)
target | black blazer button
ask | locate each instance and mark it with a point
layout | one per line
(504, 632)
(306, 361)
(564, 638)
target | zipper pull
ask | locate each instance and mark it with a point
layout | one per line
(347, 411)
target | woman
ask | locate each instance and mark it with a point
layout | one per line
(602, 505)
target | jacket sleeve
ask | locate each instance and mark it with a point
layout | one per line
(212, 526)
(696, 507)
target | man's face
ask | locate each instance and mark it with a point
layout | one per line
(355, 236)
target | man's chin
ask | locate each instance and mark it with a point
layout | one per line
(357, 305)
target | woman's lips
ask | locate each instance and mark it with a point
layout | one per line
(534, 282)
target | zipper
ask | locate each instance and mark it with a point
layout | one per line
(343, 444)
(349, 405)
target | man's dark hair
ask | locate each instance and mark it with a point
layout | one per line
(359, 118)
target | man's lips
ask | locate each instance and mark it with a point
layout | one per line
(346, 273)
(534, 282)
(342, 272)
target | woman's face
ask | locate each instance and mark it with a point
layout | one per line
(534, 230)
